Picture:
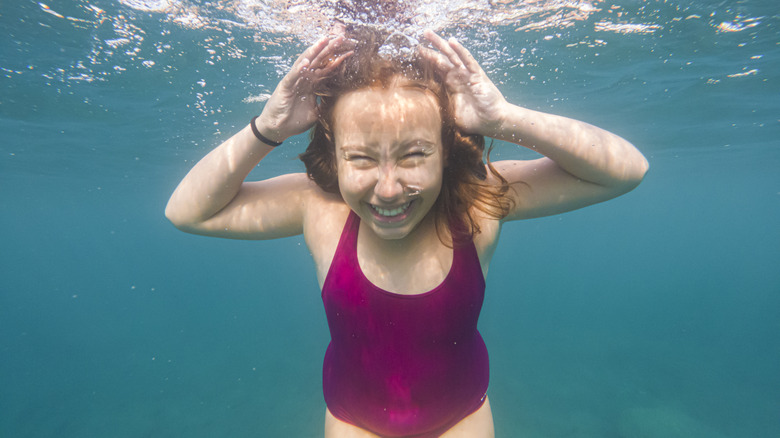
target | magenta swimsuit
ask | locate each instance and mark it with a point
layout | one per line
(403, 365)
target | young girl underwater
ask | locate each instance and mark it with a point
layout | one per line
(402, 216)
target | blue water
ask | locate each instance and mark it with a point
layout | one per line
(653, 315)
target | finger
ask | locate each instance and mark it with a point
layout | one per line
(336, 62)
(291, 78)
(468, 59)
(312, 50)
(444, 47)
(322, 57)
(437, 41)
(441, 64)
(434, 38)
(348, 44)
(302, 63)
(336, 49)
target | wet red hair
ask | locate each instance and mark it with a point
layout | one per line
(464, 182)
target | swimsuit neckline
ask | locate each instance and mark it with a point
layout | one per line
(396, 294)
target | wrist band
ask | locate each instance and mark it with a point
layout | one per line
(261, 137)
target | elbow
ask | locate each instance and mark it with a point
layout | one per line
(170, 214)
(177, 217)
(173, 217)
(641, 170)
(635, 174)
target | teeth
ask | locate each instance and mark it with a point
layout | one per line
(393, 212)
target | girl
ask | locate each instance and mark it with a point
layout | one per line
(401, 216)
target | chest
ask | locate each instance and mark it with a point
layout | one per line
(414, 269)
(407, 269)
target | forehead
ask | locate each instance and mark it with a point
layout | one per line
(404, 104)
(387, 117)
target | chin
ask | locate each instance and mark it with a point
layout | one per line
(389, 233)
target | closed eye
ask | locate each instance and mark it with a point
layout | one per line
(355, 157)
(414, 158)
(360, 161)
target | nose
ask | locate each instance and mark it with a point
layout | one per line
(388, 186)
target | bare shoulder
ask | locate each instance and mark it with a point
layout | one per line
(324, 219)
(487, 238)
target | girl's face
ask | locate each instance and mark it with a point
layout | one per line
(389, 156)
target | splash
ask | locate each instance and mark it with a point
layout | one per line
(272, 24)
(127, 36)
(182, 41)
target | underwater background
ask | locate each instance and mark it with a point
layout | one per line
(653, 315)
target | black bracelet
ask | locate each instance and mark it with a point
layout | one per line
(261, 137)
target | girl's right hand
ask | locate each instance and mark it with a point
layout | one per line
(292, 108)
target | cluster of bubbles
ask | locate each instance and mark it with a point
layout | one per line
(120, 31)
(156, 35)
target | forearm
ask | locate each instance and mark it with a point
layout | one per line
(583, 150)
(216, 179)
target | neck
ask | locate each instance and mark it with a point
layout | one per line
(420, 237)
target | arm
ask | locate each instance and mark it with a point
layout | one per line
(582, 164)
(213, 198)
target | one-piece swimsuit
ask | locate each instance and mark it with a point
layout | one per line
(403, 365)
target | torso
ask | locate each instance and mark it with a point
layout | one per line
(389, 267)
(403, 364)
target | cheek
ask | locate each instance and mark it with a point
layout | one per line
(353, 182)
(437, 179)
(430, 175)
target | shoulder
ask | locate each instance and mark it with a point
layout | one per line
(324, 219)
(486, 240)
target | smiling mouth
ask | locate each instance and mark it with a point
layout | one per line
(391, 212)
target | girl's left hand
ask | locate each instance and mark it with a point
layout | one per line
(477, 105)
